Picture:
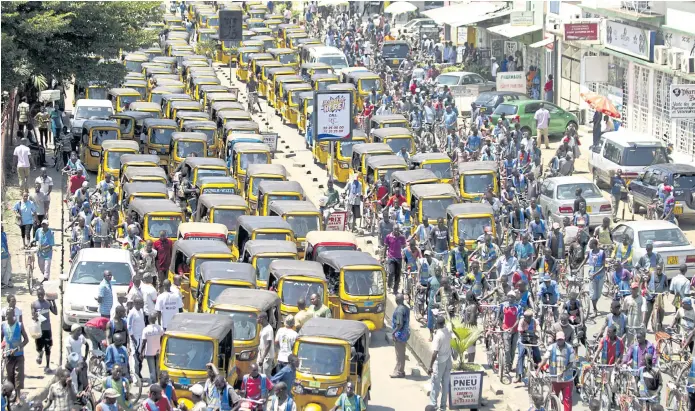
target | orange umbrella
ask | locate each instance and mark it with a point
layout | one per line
(601, 103)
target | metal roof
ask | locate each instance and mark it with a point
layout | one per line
(191, 247)
(214, 200)
(385, 161)
(274, 186)
(213, 326)
(431, 190)
(254, 247)
(478, 166)
(226, 270)
(284, 268)
(345, 330)
(146, 205)
(469, 208)
(391, 132)
(292, 206)
(261, 300)
(367, 148)
(274, 169)
(252, 222)
(411, 176)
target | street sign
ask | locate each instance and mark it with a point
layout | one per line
(682, 101)
(465, 389)
(271, 139)
(230, 25)
(332, 115)
(337, 221)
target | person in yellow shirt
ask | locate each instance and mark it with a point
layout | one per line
(303, 315)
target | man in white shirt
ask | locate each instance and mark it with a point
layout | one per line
(285, 339)
(542, 118)
(440, 363)
(151, 345)
(46, 185)
(22, 161)
(168, 304)
(135, 321)
(176, 287)
(266, 349)
(75, 342)
(495, 67)
(149, 295)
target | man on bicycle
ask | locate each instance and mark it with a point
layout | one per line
(611, 348)
(549, 294)
(439, 238)
(656, 284)
(252, 89)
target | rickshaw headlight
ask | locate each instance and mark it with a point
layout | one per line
(332, 391)
(298, 389)
(344, 165)
(76, 130)
(94, 153)
(350, 308)
(379, 307)
(153, 151)
(246, 355)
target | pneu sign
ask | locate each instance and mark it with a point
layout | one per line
(332, 115)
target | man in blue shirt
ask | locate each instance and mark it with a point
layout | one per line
(537, 227)
(117, 354)
(6, 262)
(450, 119)
(45, 242)
(524, 250)
(617, 184)
(25, 211)
(288, 373)
(105, 295)
(548, 294)
(474, 140)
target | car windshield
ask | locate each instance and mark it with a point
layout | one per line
(448, 80)
(257, 181)
(436, 207)
(368, 84)
(161, 136)
(252, 158)
(99, 136)
(263, 263)
(506, 109)
(472, 228)
(668, 237)
(113, 159)
(187, 354)
(288, 58)
(395, 51)
(644, 156)
(92, 272)
(337, 62)
(397, 143)
(186, 148)
(346, 148)
(227, 217)
(683, 181)
(168, 224)
(302, 224)
(244, 324)
(293, 290)
(477, 183)
(485, 98)
(321, 359)
(441, 170)
(364, 282)
(567, 191)
(93, 113)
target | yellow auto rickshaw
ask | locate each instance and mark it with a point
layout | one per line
(267, 41)
(269, 191)
(156, 94)
(431, 201)
(255, 173)
(211, 98)
(242, 72)
(305, 107)
(271, 74)
(134, 76)
(321, 81)
(207, 127)
(396, 137)
(357, 286)
(156, 215)
(293, 280)
(171, 98)
(244, 306)
(95, 91)
(362, 152)
(183, 116)
(283, 29)
(223, 209)
(280, 82)
(130, 123)
(154, 110)
(144, 173)
(219, 106)
(206, 34)
(200, 167)
(331, 352)
(302, 215)
(245, 155)
(262, 81)
(289, 108)
(217, 185)
(260, 253)
(218, 276)
(387, 121)
(182, 105)
(467, 222)
(192, 341)
(138, 85)
(318, 242)
(261, 228)
(286, 56)
(202, 231)
(476, 177)
(382, 165)
(294, 39)
(94, 134)
(110, 161)
(183, 145)
(408, 179)
(158, 134)
(133, 61)
(439, 163)
(343, 155)
(208, 90)
(258, 57)
(196, 82)
(122, 97)
(187, 257)
(139, 189)
(224, 116)
(306, 70)
(229, 50)
(365, 82)
(235, 128)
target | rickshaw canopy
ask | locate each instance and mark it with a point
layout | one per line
(343, 258)
(282, 207)
(390, 131)
(344, 330)
(120, 144)
(225, 270)
(268, 169)
(221, 200)
(251, 223)
(318, 237)
(142, 206)
(384, 161)
(285, 268)
(189, 135)
(456, 210)
(478, 166)
(412, 176)
(255, 247)
(368, 148)
(261, 300)
(432, 190)
(212, 326)
(271, 186)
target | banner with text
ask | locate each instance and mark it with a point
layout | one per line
(332, 115)
(511, 81)
(682, 101)
(465, 390)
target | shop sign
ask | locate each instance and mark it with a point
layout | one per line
(337, 221)
(581, 31)
(682, 101)
(521, 18)
(680, 41)
(511, 81)
(465, 390)
(271, 139)
(630, 40)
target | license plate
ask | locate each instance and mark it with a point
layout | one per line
(395, 61)
(314, 384)
(672, 260)
(185, 381)
(369, 303)
(588, 209)
(678, 210)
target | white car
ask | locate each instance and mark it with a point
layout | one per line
(89, 109)
(668, 240)
(557, 199)
(81, 284)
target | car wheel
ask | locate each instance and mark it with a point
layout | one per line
(572, 123)
(65, 326)
(526, 132)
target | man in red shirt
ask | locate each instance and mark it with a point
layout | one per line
(511, 313)
(396, 196)
(611, 348)
(163, 247)
(155, 400)
(95, 330)
(255, 385)
(75, 182)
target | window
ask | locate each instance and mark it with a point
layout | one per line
(476, 79)
(646, 177)
(613, 153)
(654, 179)
(552, 109)
(532, 107)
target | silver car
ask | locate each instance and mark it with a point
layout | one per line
(557, 200)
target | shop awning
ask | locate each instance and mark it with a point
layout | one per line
(509, 31)
(543, 42)
(468, 13)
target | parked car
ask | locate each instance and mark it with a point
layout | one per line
(680, 176)
(414, 25)
(81, 284)
(464, 78)
(668, 240)
(557, 199)
(489, 100)
(627, 151)
(523, 111)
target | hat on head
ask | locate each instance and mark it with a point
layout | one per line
(85, 184)
(511, 294)
(428, 252)
(634, 285)
(75, 327)
(197, 389)
(560, 335)
(556, 225)
(112, 393)
(547, 277)
(44, 221)
(649, 242)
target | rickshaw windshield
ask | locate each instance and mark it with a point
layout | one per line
(228, 44)
(133, 65)
(113, 159)
(247, 159)
(99, 136)
(388, 173)
(288, 58)
(364, 282)
(293, 290)
(472, 228)
(187, 354)
(162, 136)
(125, 124)
(346, 148)
(272, 198)
(244, 324)
(397, 144)
(210, 134)
(293, 96)
(441, 170)
(272, 236)
(302, 224)
(263, 264)
(436, 207)
(211, 172)
(227, 217)
(323, 85)
(97, 93)
(257, 181)
(321, 359)
(126, 100)
(370, 83)
(168, 224)
(318, 250)
(156, 98)
(477, 183)
(186, 148)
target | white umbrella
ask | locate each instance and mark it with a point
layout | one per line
(325, 3)
(399, 7)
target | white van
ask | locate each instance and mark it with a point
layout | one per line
(328, 55)
(627, 151)
(89, 109)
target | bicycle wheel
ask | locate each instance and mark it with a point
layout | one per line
(586, 304)
(590, 385)
(502, 362)
(135, 388)
(30, 274)
(490, 352)
(554, 403)
(675, 400)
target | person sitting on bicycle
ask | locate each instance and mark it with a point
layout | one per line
(488, 252)
(117, 354)
(104, 184)
(615, 317)
(118, 381)
(424, 266)
(537, 227)
(411, 255)
(507, 264)
(422, 233)
(623, 253)
(523, 249)
(581, 214)
(82, 194)
(685, 318)
(650, 259)
(517, 217)
(635, 354)
(474, 140)
(81, 237)
(332, 197)
(573, 308)
(564, 325)
(622, 278)
(533, 208)
(528, 334)
(669, 205)
(656, 284)
(74, 165)
(611, 347)
(476, 280)
(101, 229)
(547, 264)
(650, 382)
(548, 294)
(458, 260)
(518, 181)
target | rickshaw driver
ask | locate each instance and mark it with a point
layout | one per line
(332, 199)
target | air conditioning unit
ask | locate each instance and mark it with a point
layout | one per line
(688, 64)
(661, 55)
(674, 58)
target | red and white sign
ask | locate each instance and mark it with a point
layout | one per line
(337, 221)
(511, 81)
(586, 31)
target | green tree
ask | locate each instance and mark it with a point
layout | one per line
(465, 336)
(66, 40)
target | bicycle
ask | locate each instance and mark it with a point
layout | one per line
(495, 352)
(29, 261)
(540, 384)
(529, 363)
(597, 382)
(672, 358)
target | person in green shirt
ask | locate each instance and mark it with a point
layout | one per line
(349, 401)
(317, 308)
(332, 195)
